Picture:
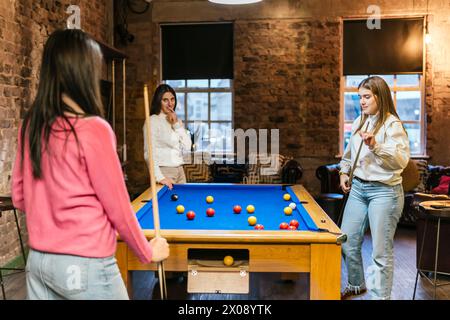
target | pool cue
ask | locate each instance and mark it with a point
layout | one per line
(161, 273)
(350, 178)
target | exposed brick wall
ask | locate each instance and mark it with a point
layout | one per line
(24, 28)
(286, 77)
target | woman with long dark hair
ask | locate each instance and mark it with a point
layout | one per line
(376, 194)
(68, 180)
(169, 138)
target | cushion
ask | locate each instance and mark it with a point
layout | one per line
(410, 176)
(266, 168)
(443, 187)
(196, 166)
(422, 167)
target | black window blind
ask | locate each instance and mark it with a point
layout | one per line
(197, 51)
(394, 49)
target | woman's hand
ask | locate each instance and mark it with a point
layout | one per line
(344, 183)
(167, 182)
(368, 138)
(160, 249)
(172, 117)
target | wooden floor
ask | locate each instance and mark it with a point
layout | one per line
(269, 286)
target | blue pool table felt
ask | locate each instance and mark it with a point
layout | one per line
(267, 200)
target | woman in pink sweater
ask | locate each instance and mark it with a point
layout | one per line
(68, 180)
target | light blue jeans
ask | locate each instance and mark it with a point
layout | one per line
(58, 276)
(379, 206)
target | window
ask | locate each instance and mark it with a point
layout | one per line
(206, 107)
(407, 95)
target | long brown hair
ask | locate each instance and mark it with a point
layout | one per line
(383, 97)
(157, 98)
(71, 64)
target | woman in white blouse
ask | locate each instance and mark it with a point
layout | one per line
(376, 195)
(169, 138)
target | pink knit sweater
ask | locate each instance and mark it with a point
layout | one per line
(81, 200)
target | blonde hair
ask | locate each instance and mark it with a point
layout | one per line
(383, 97)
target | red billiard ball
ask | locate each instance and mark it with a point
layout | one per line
(190, 215)
(210, 212)
(237, 209)
(294, 223)
(292, 228)
(284, 226)
(259, 227)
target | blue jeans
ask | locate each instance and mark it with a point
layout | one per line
(58, 276)
(379, 206)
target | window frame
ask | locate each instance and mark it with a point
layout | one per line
(185, 90)
(394, 89)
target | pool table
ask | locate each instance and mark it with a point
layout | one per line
(314, 248)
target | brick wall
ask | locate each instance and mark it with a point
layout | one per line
(287, 72)
(24, 27)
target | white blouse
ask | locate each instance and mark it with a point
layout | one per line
(386, 161)
(168, 143)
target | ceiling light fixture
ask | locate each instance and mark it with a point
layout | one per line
(234, 1)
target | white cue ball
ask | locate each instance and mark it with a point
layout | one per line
(292, 205)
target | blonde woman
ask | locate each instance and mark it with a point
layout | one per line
(376, 195)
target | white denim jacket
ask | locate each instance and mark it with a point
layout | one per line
(168, 143)
(386, 161)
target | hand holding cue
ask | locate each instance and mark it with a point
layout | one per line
(161, 273)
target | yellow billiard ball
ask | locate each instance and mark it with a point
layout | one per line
(209, 199)
(287, 196)
(228, 261)
(288, 211)
(251, 220)
(250, 208)
(180, 208)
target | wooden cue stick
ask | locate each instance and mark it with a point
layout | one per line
(161, 273)
(350, 178)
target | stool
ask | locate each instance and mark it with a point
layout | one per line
(439, 210)
(6, 205)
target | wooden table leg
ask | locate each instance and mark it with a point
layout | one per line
(325, 276)
(122, 262)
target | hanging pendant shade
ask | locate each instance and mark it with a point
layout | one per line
(234, 1)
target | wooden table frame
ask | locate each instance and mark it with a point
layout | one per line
(318, 253)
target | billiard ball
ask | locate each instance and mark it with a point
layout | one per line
(284, 226)
(180, 208)
(259, 227)
(288, 211)
(228, 260)
(237, 209)
(292, 228)
(287, 196)
(292, 205)
(174, 197)
(251, 220)
(210, 212)
(250, 208)
(209, 199)
(294, 223)
(190, 215)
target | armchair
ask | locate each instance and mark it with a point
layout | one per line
(331, 196)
